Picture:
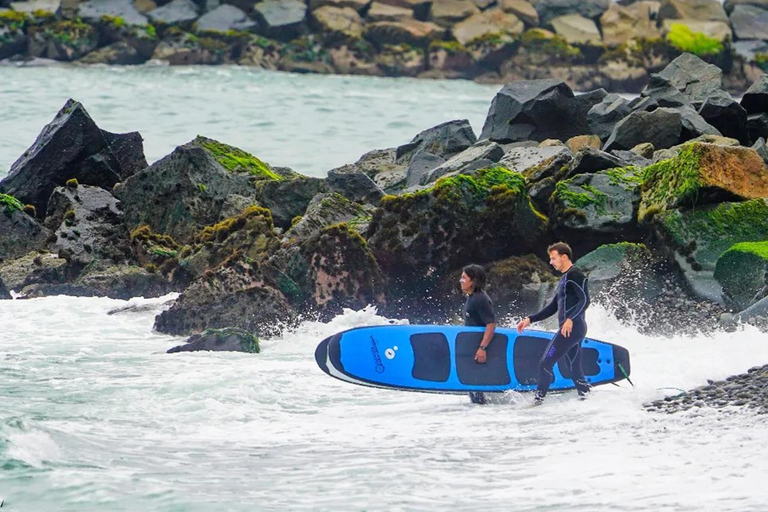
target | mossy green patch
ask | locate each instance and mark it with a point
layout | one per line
(10, 204)
(567, 195)
(557, 46)
(686, 40)
(742, 271)
(672, 182)
(452, 47)
(114, 21)
(625, 176)
(237, 160)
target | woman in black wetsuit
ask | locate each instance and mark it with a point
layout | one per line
(478, 311)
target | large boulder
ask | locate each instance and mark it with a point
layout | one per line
(288, 199)
(19, 231)
(726, 115)
(481, 155)
(538, 110)
(523, 10)
(72, 146)
(338, 21)
(382, 166)
(549, 9)
(593, 209)
(750, 22)
(637, 20)
(105, 279)
(185, 191)
(742, 271)
(448, 12)
(13, 40)
(237, 293)
(703, 173)
(88, 225)
(326, 210)
(412, 32)
(224, 18)
(177, 12)
(696, 238)
(432, 147)
(281, 19)
(65, 40)
(664, 127)
(696, 79)
(755, 100)
(603, 116)
(480, 218)
(576, 29)
(536, 163)
(120, 54)
(93, 11)
(35, 267)
(220, 340)
(492, 21)
(588, 160)
(354, 185)
(333, 269)
(757, 126)
(704, 10)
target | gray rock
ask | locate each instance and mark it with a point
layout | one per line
(540, 193)
(281, 19)
(120, 54)
(326, 210)
(72, 146)
(661, 93)
(33, 268)
(176, 12)
(93, 10)
(13, 41)
(184, 191)
(603, 116)
(421, 165)
(30, 6)
(356, 186)
(5, 294)
(288, 199)
(538, 110)
(693, 77)
(443, 140)
(225, 17)
(482, 155)
(664, 128)
(749, 49)
(761, 149)
(750, 22)
(220, 340)
(549, 9)
(88, 225)
(755, 100)
(727, 115)
(632, 158)
(21, 233)
(536, 163)
(757, 126)
(381, 166)
(759, 308)
(590, 160)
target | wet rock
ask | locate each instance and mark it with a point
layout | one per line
(356, 186)
(179, 48)
(72, 147)
(5, 294)
(755, 100)
(326, 210)
(761, 149)
(185, 191)
(481, 155)
(63, 40)
(32, 268)
(727, 115)
(218, 340)
(603, 116)
(120, 54)
(281, 19)
(664, 128)
(742, 271)
(13, 40)
(382, 167)
(88, 225)
(444, 140)
(21, 233)
(538, 110)
(693, 77)
(589, 160)
(288, 198)
(224, 18)
(757, 125)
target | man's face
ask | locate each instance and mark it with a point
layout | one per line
(557, 260)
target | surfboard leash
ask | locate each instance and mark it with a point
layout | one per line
(626, 375)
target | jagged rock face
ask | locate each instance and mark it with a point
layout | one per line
(185, 191)
(72, 146)
(34, 268)
(288, 199)
(755, 100)
(326, 210)
(538, 110)
(663, 127)
(220, 340)
(19, 232)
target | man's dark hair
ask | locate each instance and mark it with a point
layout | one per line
(477, 274)
(562, 248)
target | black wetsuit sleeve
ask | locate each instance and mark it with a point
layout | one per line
(576, 295)
(484, 310)
(549, 310)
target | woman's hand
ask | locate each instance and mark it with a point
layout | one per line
(524, 323)
(480, 356)
(567, 327)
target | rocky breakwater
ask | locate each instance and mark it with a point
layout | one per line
(664, 199)
(587, 43)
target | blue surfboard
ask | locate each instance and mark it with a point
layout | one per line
(440, 359)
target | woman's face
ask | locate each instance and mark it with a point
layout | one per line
(467, 286)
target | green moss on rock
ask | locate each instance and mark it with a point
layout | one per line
(742, 271)
(237, 160)
(10, 204)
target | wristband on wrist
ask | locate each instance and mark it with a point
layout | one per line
(483, 348)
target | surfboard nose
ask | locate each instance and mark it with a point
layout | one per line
(321, 355)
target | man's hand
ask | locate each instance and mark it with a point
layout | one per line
(523, 324)
(567, 327)
(480, 356)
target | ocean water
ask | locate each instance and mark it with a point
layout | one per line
(310, 123)
(95, 416)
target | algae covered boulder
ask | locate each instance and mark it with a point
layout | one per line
(288, 198)
(482, 217)
(66, 40)
(696, 238)
(703, 173)
(187, 190)
(326, 210)
(742, 271)
(592, 209)
(621, 271)
(19, 231)
(218, 340)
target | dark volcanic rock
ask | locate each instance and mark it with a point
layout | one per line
(664, 128)
(757, 126)
(72, 146)
(538, 110)
(19, 232)
(755, 100)
(727, 115)
(354, 185)
(326, 210)
(480, 156)
(589, 160)
(603, 116)
(693, 77)
(443, 140)
(282, 19)
(217, 340)
(288, 199)
(4, 292)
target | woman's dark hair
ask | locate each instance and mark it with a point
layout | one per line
(477, 274)
(562, 249)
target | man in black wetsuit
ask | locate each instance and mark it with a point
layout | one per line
(570, 302)
(478, 312)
